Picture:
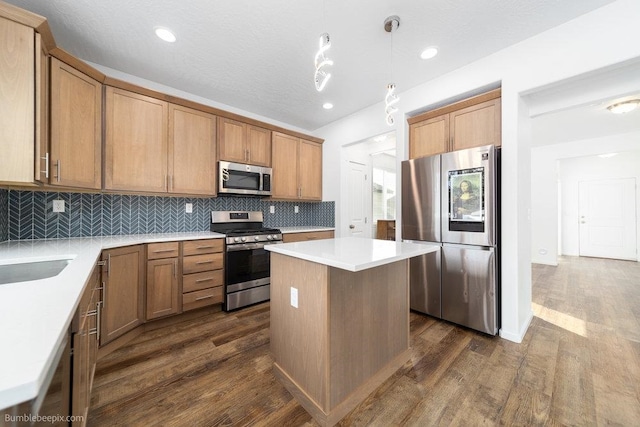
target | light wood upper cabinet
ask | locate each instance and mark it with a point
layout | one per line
(476, 125)
(259, 145)
(76, 128)
(243, 143)
(469, 123)
(192, 151)
(429, 137)
(17, 102)
(297, 168)
(284, 181)
(310, 170)
(136, 142)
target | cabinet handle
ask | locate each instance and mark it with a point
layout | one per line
(93, 331)
(206, 297)
(92, 312)
(46, 165)
(246, 154)
(203, 262)
(175, 268)
(205, 247)
(108, 267)
(159, 251)
(204, 280)
(98, 321)
(58, 170)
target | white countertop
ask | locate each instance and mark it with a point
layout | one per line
(352, 253)
(35, 315)
(304, 229)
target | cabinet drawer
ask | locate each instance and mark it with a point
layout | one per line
(198, 263)
(198, 281)
(202, 298)
(162, 250)
(196, 247)
(308, 235)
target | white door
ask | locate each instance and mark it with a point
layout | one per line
(357, 196)
(608, 218)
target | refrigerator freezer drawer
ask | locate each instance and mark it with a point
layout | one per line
(424, 279)
(469, 295)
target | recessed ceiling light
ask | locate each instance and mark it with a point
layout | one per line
(165, 34)
(429, 52)
(327, 106)
(624, 107)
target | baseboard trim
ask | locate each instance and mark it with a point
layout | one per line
(519, 336)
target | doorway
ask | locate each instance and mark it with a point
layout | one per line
(368, 185)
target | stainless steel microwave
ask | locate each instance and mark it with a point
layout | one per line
(239, 178)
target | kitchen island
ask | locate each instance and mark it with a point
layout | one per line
(339, 319)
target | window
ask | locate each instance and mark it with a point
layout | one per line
(383, 194)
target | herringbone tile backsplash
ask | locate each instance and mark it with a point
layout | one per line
(29, 214)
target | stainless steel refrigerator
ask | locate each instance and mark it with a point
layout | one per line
(453, 200)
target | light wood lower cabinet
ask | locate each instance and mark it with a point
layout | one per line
(203, 273)
(123, 291)
(163, 293)
(85, 346)
(309, 235)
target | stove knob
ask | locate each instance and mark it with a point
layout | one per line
(244, 239)
(269, 237)
(257, 238)
(237, 240)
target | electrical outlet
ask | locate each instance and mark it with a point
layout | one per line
(272, 209)
(58, 205)
(188, 208)
(295, 209)
(294, 297)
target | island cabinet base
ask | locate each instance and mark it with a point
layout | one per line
(347, 335)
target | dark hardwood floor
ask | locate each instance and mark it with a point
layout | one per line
(579, 364)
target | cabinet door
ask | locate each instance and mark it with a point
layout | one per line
(429, 137)
(162, 287)
(259, 145)
(231, 140)
(76, 128)
(310, 170)
(192, 151)
(17, 102)
(284, 158)
(476, 125)
(136, 142)
(123, 291)
(41, 160)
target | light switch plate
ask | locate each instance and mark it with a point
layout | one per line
(188, 208)
(272, 209)
(294, 297)
(58, 205)
(295, 209)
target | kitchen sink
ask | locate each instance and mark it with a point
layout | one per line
(35, 270)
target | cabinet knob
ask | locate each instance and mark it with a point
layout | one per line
(351, 226)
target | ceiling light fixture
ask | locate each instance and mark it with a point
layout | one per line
(327, 106)
(391, 99)
(624, 107)
(165, 34)
(429, 52)
(321, 77)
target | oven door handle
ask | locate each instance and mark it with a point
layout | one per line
(249, 246)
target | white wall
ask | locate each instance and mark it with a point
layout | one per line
(595, 40)
(546, 176)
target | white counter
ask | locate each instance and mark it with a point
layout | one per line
(35, 315)
(304, 229)
(352, 253)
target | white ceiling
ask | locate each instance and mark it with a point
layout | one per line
(257, 56)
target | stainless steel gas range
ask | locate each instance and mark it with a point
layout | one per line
(247, 264)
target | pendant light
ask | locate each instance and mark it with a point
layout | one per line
(321, 77)
(391, 99)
